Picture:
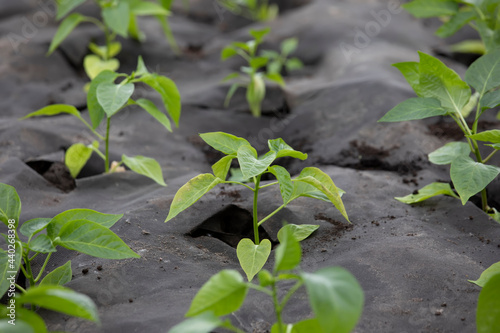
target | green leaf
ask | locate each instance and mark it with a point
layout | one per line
(488, 306)
(413, 109)
(4, 275)
(203, 323)
(492, 136)
(65, 28)
(484, 73)
(307, 326)
(293, 64)
(490, 100)
(487, 274)
(94, 239)
(289, 45)
(283, 150)
(117, 18)
(144, 8)
(104, 52)
(145, 166)
(274, 67)
(231, 77)
(168, 92)
(151, 108)
(10, 205)
(228, 52)
(431, 8)
(411, 72)
(300, 232)
(259, 34)
(322, 182)
(55, 225)
(442, 83)
(428, 191)
(43, 244)
(285, 182)
(190, 192)
(94, 65)
(66, 6)
(34, 226)
(222, 294)
(469, 46)
(53, 110)
(112, 97)
(470, 177)
(96, 112)
(456, 23)
(59, 276)
(288, 254)
(301, 189)
(258, 62)
(495, 215)
(141, 67)
(76, 157)
(276, 77)
(230, 93)
(265, 278)
(252, 166)
(62, 300)
(336, 298)
(252, 257)
(256, 91)
(224, 142)
(221, 168)
(26, 321)
(450, 151)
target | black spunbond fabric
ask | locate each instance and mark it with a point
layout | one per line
(412, 262)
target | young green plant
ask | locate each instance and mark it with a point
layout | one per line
(256, 10)
(488, 305)
(119, 18)
(105, 99)
(481, 15)
(441, 92)
(312, 183)
(82, 230)
(252, 77)
(334, 295)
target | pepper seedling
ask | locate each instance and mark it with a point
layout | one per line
(441, 92)
(82, 230)
(119, 18)
(334, 295)
(252, 77)
(105, 99)
(480, 15)
(312, 183)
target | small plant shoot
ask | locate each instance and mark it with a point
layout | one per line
(256, 10)
(480, 15)
(252, 77)
(312, 183)
(82, 230)
(441, 92)
(105, 99)
(334, 295)
(119, 18)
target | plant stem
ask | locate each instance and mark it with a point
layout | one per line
(489, 156)
(289, 294)
(20, 288)
(261, 289)
(270, 184)
(278, 309)
(43, 267)
(255, 216)
(168, 34)
(106, 160)
(270, 215)
(238, 183)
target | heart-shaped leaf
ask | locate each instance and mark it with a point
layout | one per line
(112, 97)
(253, 257)
(117, 17)
(94, 65)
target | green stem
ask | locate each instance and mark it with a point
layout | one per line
(28, 273)
(261, 289)
(278, 309)
(20, 288)
(289, 294)
(90, 128)
(98, 152)
(238, 183)
(270, 184)
(43, 267)
(106, 159)
(255, 216)
(489, 156)
(271, 215)
(168, 34)
(34, 256)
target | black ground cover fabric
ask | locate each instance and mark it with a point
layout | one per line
(413, 262)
